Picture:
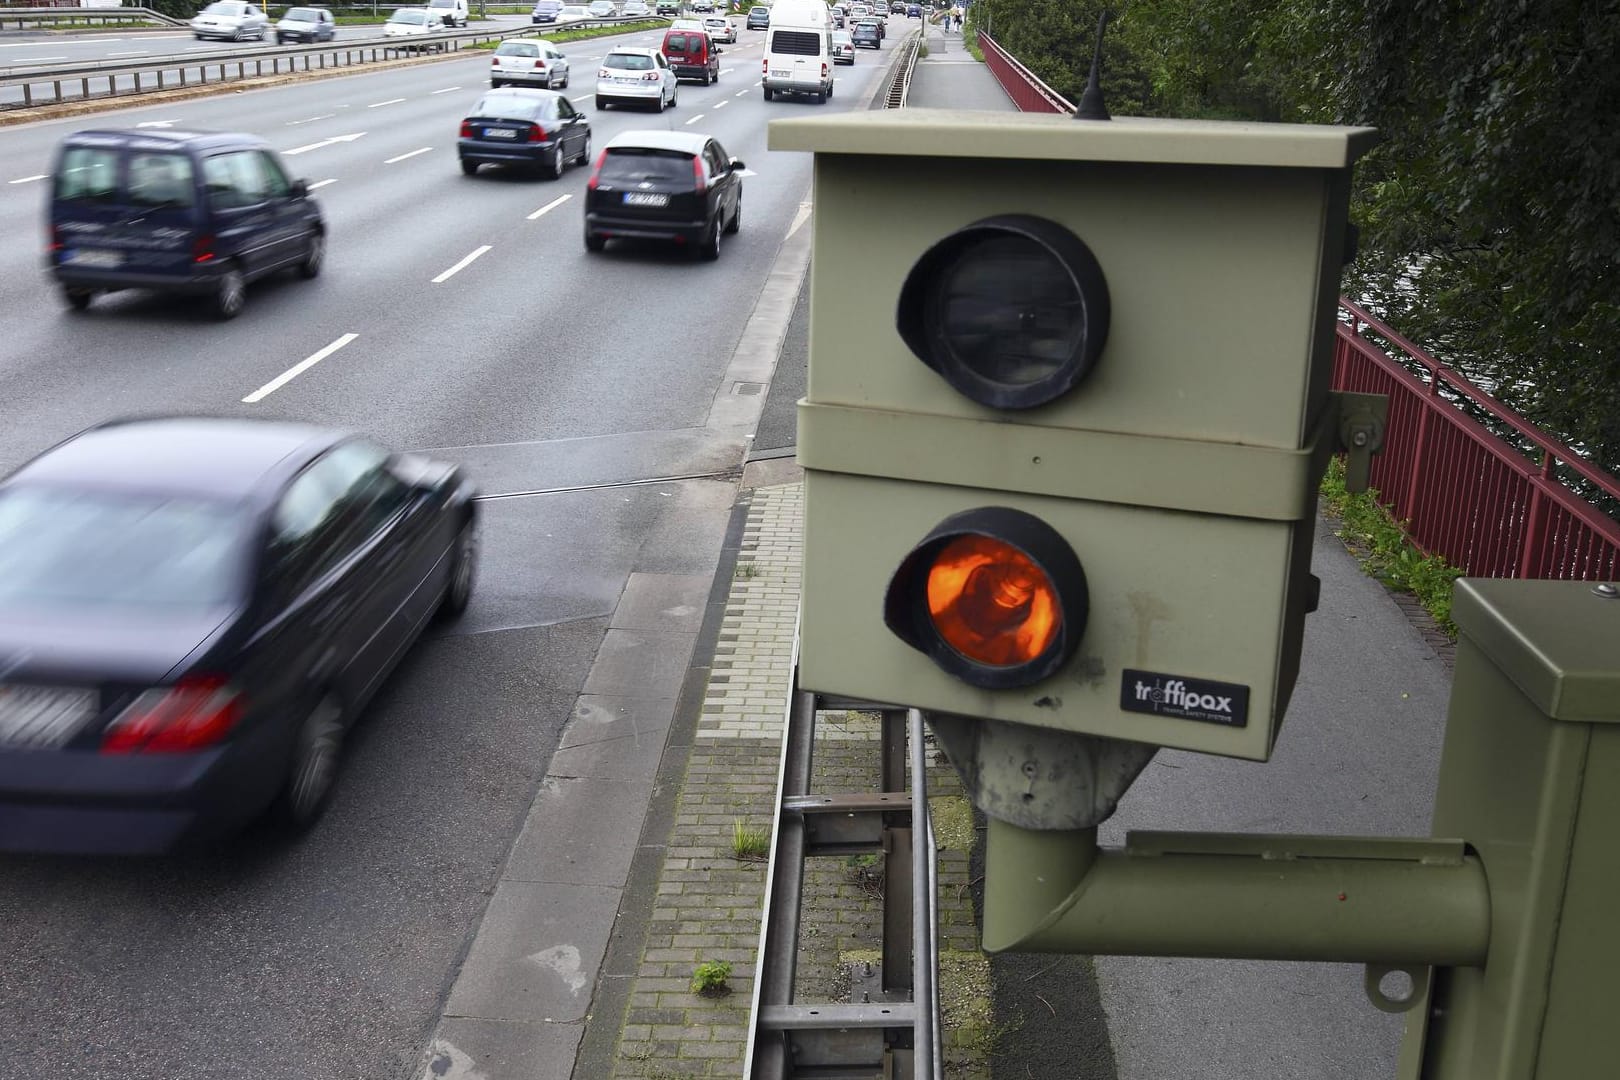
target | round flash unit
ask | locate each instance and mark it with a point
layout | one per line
(994, 596)
(1012, 311)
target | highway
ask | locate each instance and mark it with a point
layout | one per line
(457, 316)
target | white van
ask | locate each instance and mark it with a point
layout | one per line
(453, 12)
(798, 50)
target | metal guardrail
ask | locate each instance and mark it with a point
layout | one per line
(897, 1035)
(1028, 92)
(156, 73)
(1477, 498)
(900, 79)
(88, 16)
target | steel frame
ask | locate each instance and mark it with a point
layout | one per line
(898, 1037)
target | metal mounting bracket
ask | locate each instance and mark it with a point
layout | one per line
(1362, 419)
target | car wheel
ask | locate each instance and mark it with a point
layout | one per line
(601, 102)
(736, 218)
(495, 84)
(312, 773)
(821, 97)
(709, 249)
(314, 256)
(463, 571)
(280, 40)
(230, 294)
(468, 168)
(78, 299)
(593, 242)
(567, 75)
(199, 37)
(553, 166)
(584, 157)
(829, 89)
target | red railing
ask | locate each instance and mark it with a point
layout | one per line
(1026, 91)
(1476, 498)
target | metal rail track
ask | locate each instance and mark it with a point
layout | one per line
(44, 86)
(891, 1025)
(900, 78)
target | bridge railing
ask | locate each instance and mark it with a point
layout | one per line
(1504, 500)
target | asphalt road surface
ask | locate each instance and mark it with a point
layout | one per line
(538, 366)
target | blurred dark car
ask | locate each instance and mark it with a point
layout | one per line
(192, 614)
(759, 18)
(914, 11)
(538, 129)
(664, 185)
(866, 33)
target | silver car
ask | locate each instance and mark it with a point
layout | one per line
(231, 20)
(528, 62)
(306, 24)
(635, 9)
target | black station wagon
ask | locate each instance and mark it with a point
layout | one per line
(177, 211)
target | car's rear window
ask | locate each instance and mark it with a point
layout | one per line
(415, 18)
(518, 48)
(302, 14)
(93, 549)
(796, 43)
(161, 180)
(515, 107)
(226, 7)
(637, 163)
(684, 43)
(88, 173)
(628, 62)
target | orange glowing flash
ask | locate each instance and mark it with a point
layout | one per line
(990, 603)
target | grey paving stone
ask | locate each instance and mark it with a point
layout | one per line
(640, 663)
(614, 738)
(536, 953)
(581, 832)
(663, 602)
(467, 1049)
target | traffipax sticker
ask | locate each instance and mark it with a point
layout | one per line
(1183, 698)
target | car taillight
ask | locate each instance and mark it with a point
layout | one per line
(603, 73)
(537, 133)
(764, 67)
(202, 250)
(596, 171)
(698, 176)
(823, 71)
(466, 129)
(196, 712)
(651, 76)
(54, 240)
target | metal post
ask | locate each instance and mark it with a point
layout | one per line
(928, 1054)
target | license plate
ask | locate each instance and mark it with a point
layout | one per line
(102, 260)
(499, 133)
(41, 717)
(780, 74)
(646, 198)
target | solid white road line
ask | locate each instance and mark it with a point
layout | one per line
(721, 104)
(460, 266)
(447, 89)
(412, 154)
(311, 119)
(552, 205)
(131, 52)
(27, 179)
(696, 118)
(36, 59)
(322, 183)
(296, 370)
(380, 104)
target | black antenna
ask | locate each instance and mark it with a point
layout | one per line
(1091, 102)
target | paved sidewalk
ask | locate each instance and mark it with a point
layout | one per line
(949, 78)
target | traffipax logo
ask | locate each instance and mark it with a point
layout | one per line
(1184, 698)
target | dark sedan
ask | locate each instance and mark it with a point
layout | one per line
(192, 614)
(759, 18)
(866, 33)
(532, 128)
(664, 185)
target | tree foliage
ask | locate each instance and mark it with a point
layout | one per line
(1490, 213)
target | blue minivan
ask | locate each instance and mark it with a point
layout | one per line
(201, 213)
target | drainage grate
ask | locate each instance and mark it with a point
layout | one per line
(747, 389)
